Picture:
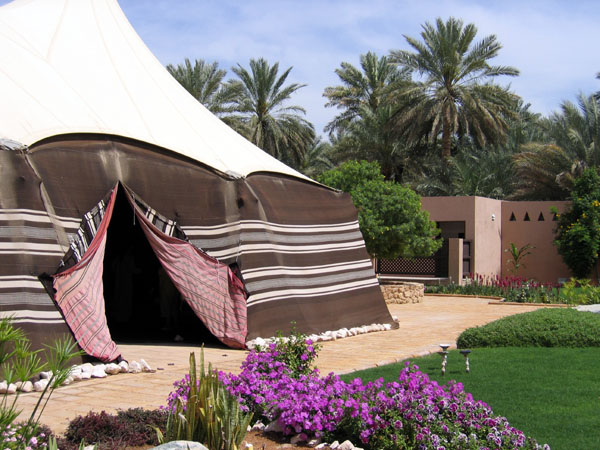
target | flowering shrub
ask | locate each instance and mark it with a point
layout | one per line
(413, 412)
(295, 351)
(512, 288)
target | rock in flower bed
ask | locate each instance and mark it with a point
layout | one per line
(413, 412)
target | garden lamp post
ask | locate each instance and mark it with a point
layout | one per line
(465, 353)
(444, 354)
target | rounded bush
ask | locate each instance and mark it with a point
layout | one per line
(542, 328)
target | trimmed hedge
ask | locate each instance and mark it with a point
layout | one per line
(543, 328)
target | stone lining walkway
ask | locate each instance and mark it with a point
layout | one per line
(422, 327)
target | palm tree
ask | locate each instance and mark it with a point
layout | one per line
(482, 172)
(455, 96)
(371, 138)
(317, 159)
(548, 169)
(205, 82)
(362, 90)
(268, 122)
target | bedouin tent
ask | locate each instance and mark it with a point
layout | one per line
(90, 120)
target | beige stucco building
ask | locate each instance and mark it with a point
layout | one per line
(489, 226)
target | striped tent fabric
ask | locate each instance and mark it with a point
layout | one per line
(272, 283)
(210, 288)
(63, 146)
(33, 238)
(80, 296)
(215, 295)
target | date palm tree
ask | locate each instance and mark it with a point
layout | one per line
(204, 81)
(453, 94)
(269, 122)
(362, 90)
(547, 170)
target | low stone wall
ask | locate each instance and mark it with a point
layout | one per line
(402, 292)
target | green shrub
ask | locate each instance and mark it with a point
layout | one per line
(543, 328)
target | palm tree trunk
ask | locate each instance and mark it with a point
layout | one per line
(446, 141)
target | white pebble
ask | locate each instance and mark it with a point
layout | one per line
(99, 372)
(40, 385)
(27, 386)
(112, 369)
(135, 367)
(145, 366)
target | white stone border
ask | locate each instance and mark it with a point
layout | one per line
(327, 335)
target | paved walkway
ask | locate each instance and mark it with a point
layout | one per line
(422, 327)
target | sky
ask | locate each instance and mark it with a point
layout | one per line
(553, 43)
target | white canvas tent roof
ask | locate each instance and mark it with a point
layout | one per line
(60, 58)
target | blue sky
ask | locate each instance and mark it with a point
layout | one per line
(553, 43)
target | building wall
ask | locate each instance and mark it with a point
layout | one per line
(544, 263)
(490, 238)
(487, 246)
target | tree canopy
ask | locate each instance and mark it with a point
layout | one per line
(454, 94)
(389, 214)
(578, 232)
(270, 123)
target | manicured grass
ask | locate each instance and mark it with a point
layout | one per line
(552, 394)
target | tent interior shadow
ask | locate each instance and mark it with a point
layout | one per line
(142, 304)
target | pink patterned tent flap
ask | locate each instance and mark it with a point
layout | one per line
(80, 297)
(207, 285)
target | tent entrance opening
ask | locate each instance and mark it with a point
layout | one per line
(142, 304)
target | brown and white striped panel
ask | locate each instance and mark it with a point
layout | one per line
(283, 261)
(29, 246)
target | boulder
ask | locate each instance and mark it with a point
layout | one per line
(11, 389)
(346, 445)
(3, 387)
(27, 386)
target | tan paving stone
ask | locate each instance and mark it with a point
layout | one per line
(423, 326)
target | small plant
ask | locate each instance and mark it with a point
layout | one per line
(130, 428)
(19, 363)
(202, 410)
(295, 351)
(517, 255)
(579, 292)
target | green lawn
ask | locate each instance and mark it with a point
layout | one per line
(552, 394)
